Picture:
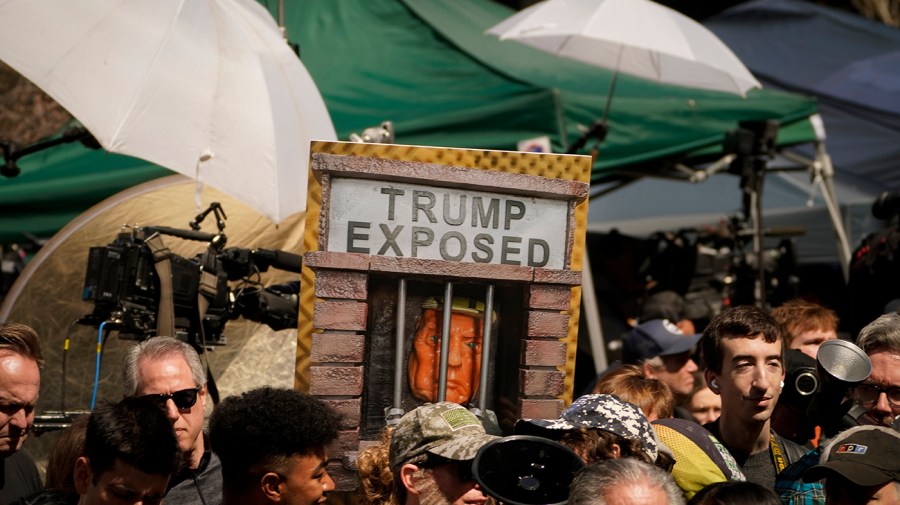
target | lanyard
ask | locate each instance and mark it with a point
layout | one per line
(777, 454)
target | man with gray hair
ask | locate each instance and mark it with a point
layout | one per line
(880, 393)
(169, 371)
(626, 480)
(20, 383)
(663, 352)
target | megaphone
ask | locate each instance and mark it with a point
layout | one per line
(840, 366)
(526, 470)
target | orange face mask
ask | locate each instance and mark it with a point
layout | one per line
(463, 358)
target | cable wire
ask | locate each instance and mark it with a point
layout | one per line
(97, 368)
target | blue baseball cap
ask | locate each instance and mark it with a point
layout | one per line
(657, 337)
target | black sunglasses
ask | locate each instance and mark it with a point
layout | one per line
(184, 399)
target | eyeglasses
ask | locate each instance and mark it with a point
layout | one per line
(867, 394)
(184, 399)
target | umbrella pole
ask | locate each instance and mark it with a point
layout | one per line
(599, 128)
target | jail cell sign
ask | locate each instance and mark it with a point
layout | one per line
(427, 222)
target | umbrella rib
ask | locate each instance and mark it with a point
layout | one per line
(127, 112)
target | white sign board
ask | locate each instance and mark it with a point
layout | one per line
(429, 222)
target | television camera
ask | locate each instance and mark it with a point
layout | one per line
(821, 387)
(141, 288)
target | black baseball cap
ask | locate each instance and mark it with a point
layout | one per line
(865, 455)
(657, 337)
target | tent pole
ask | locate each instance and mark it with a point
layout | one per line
(755, 207)
(592, 315)
(823, 174)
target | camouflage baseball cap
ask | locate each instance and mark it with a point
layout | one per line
(600, 412)
(443, 429)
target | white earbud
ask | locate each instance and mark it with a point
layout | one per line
(782, 385)
(714, 383)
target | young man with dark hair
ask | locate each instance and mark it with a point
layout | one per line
(20, 383)
(130, 453)
(272, 444)
(743, 352)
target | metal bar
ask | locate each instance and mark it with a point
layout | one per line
(445, 342)
(759, 287)
(400, 337)
(486, 335)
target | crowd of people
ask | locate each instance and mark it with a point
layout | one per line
(696, 418)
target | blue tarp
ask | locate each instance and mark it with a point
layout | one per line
(851, 64)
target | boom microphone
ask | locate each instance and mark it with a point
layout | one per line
(281, 260)
(199, 236)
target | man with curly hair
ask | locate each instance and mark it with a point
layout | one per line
(272, 444)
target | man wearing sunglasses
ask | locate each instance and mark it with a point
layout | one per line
(169, 372)
(431, 455)
(880, 393)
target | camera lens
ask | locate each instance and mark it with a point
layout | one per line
(806, 383)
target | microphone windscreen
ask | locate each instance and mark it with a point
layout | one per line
(842, 361)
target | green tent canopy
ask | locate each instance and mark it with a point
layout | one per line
(429, 68)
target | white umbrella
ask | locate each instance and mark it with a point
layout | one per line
(208, 88)
(638, 37)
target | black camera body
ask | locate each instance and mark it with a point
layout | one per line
(124, 285)
(123, 281)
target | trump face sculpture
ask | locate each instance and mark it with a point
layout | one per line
(463, 355)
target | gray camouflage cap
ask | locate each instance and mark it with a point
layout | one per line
(444, 429)
(602, 412)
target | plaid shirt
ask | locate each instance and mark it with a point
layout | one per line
(790, 487)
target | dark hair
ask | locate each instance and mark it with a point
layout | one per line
(262, 429)
(66, 451)
(735, 493)
(135, 431)
(744, 321)
(596, 445)
(21, 339)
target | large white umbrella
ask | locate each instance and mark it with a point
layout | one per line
(208, 88)
(637, 37)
